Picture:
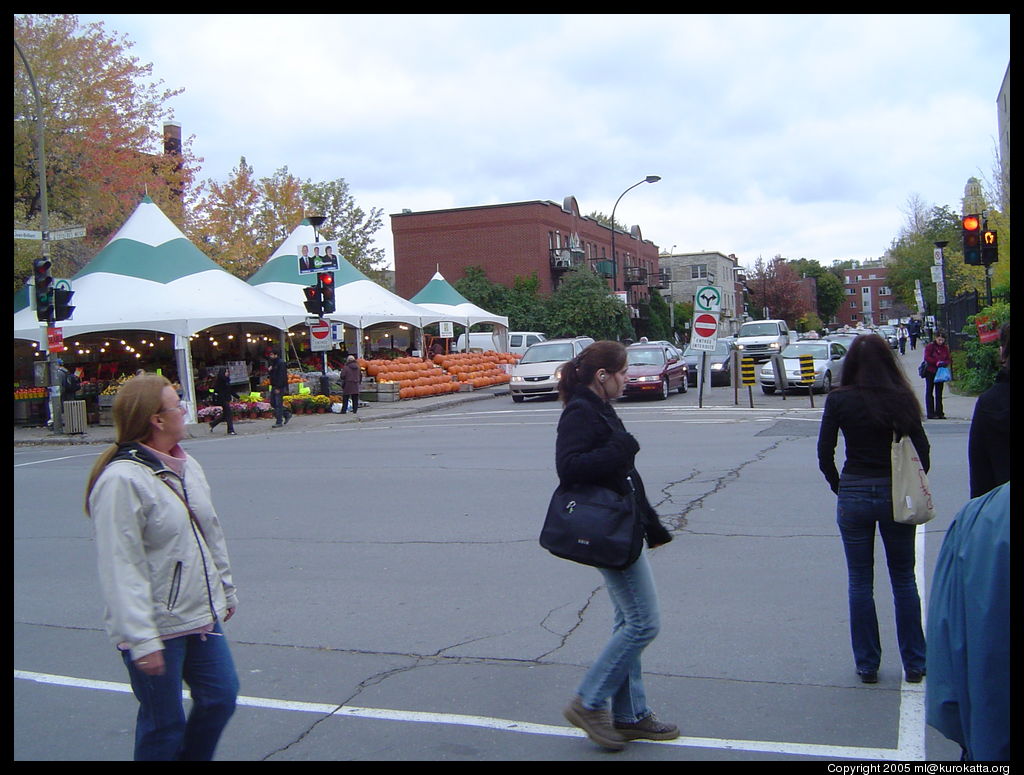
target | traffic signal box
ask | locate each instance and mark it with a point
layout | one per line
(62, 308)
(989, 247)
(326, 282)
(43, 289)
(314, 302)
(971, 227)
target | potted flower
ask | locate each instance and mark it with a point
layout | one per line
(209, 413)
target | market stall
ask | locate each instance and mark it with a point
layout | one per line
(151, 278)
(374, 317)
(440, 297)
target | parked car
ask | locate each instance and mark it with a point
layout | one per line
(538, 371)
(888, 333)
(721, 362)
(761, 339)
(844, 339)
(828, 366)
(653, 369)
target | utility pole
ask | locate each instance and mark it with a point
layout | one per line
(56, 413)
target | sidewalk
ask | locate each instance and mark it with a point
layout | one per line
(371, 411)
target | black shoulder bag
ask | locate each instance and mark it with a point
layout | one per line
(594, 525)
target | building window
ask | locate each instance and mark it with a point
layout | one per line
(883, 291)
(853, 305)
(698, 271)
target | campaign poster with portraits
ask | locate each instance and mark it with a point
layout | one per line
(318, 257)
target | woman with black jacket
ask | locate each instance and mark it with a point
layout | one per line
(874, 403)
(222, 395)
(593, 447)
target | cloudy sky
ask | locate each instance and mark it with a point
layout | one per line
(800, 136)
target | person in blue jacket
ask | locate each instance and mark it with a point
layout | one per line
(968, 693)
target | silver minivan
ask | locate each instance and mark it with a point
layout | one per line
(538, 371)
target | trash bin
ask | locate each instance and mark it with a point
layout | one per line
(74, 417)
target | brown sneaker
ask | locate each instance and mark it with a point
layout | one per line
(596, 723)
(648, 729)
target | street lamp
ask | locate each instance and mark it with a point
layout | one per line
(615, 263)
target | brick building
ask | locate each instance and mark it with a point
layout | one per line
(519, 239)
(868, 300)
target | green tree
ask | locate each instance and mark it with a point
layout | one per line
(659, 318)
(479, 289)
(526, 310)
(828, 287)
(583, 306)
(104, 146)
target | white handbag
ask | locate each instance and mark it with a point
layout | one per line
(911, 494)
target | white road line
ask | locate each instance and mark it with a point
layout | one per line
(508, 725)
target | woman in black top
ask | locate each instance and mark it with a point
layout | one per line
(222, 395)
(874, 402)
(593, 447)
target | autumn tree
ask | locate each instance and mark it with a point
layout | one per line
(775, 290)
(103, 119)
(241, 221)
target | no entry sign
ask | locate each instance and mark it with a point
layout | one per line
(705, 331)
(320, 337)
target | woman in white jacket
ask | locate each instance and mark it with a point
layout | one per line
(165, 574)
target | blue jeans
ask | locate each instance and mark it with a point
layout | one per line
(861, 506)
(277, 404)
(162, 732)
(617, 673)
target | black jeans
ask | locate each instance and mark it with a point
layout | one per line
(225, 416)
(355, 402)
(933, 397)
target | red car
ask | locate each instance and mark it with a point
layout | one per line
(654, 370)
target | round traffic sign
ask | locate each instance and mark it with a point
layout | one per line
(321, 331)
(705, 325)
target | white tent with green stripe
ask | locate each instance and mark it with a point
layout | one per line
(359, 301)
(440, 296)
(150, 277)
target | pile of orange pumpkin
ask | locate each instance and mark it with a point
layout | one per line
(477, 369)
(416, 378)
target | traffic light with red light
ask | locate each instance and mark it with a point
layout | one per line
(989, 247)
(326, 282)
(43, 290)
(971, 225)
(314, 301)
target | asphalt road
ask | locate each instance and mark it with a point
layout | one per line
(395, 604)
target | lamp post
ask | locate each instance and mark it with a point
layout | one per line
(615, 263)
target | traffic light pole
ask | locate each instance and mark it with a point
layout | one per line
(56, 415)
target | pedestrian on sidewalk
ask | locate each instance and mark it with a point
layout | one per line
(222, 395)
(593, 447)
(902, 333)
(874, 402)
(914, 329)
(988, 446)
(351, 378)
(936, 355)
(164, 574)
(278, 377)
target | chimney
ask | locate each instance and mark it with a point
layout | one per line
(172, 138)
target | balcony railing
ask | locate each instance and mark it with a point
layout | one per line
(605, 268)
(635, 275)
(661, 279)
(563, 259)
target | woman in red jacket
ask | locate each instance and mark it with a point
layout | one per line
(936, 354)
